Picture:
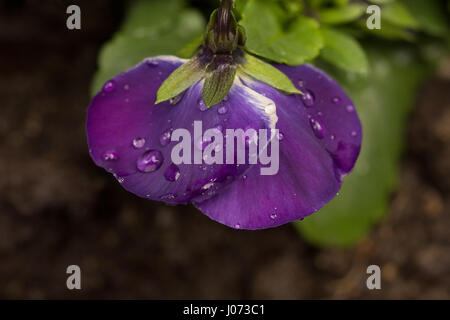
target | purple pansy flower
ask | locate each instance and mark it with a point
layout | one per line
(319, 136)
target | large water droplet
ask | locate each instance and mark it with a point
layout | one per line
(172, 173)
(165, 137)
(308, 98)
(318, 128)
(150, 161)
(110, 155)
(138, 143)
(109, 86)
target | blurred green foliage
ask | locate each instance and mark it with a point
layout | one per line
(380, 70)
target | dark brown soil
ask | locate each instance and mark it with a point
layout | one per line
(58, 209)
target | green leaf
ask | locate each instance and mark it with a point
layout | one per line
(263, 21)
(180, 80)
(218, 83)
(147, 32)
(430, 15)
(397, 14)
(342, 14)
(267, 73)
(383, 100)
(343, 51)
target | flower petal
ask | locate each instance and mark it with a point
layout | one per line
(130, 136)
(320, 139)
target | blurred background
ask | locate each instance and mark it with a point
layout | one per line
(57, 208)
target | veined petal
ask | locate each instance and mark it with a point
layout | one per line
(320, 139)
(130, 136)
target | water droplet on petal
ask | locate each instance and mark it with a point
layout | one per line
(222, 110)
(169, 196)
(350, 108)
(353, 133)
(126, 87)
(208, 185)
(172, 173)
(165, 137)
(301, 83)
(138, 143)
(308, 98)
(152, 63)
(273, 216)
(201, 105)
(237, 226)
(336, 100)
(332, 137)
(109, 86)
(280, 136)
(150, 161)
(318, 128)
(110, 155)
(244, 177)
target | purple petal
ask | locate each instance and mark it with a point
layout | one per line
(320, 139)
(131, 137)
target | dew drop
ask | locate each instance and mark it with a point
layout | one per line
(301, 83)
(273, 216)
(173, 101)
(318, 128)
(126, 87)
(244, 177)
(165, 137)
(152, 63)
(222, 110)
(138, 143)
(121, 179)
(332, 137)
(208, 185)
(150, 161)
(201, 105)
(237, 226)
(350, 108)
(336, 100)
(353, 133)
(308, 98)
(110, 155)
(280, 136)
(172, 173)
(168, 196)
(109, 86)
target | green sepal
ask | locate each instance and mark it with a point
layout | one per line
(268, 74)
(180, 80)
(218, 82)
